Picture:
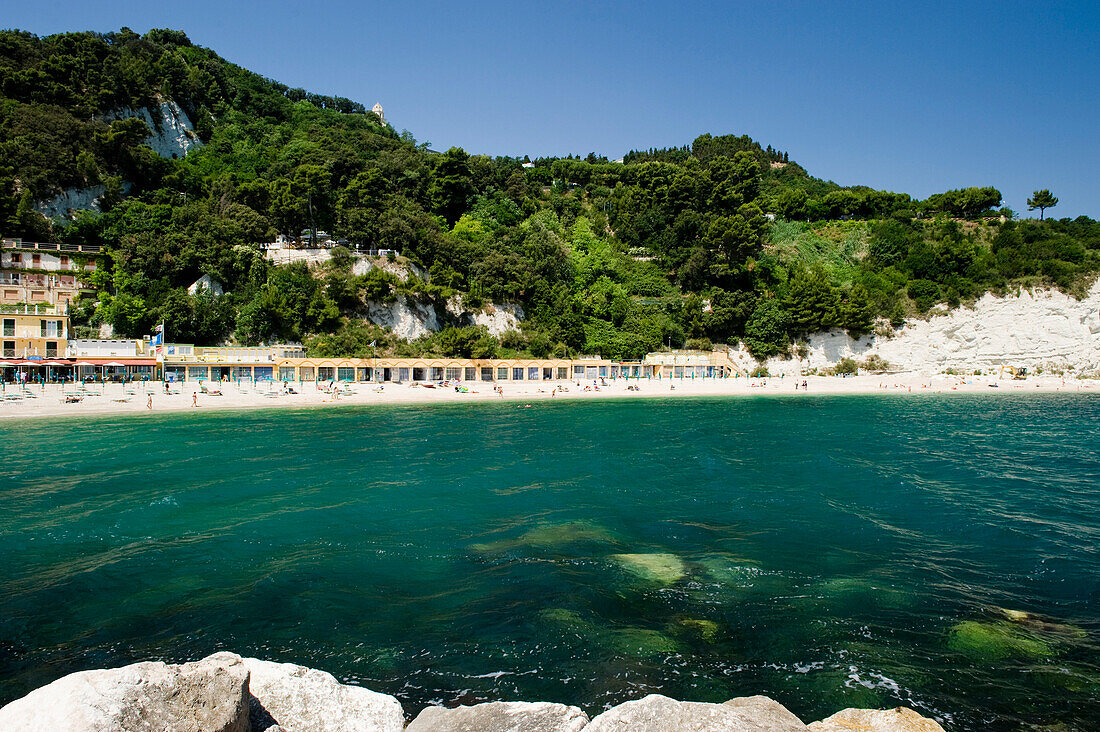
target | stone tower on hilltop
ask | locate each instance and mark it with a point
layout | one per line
(377, 109)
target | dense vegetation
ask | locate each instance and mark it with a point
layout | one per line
(670, 247)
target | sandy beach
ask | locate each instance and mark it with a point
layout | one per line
(53, 400)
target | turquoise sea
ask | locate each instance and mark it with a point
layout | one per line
(826, 551)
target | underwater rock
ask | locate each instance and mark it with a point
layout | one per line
(864, 591)
(659, 568)
(641, 642)
(552, 536)
(698, 629)
(991, 641)
(1042, 625)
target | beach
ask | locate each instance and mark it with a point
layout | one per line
(54, 400)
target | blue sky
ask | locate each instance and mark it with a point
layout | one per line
(918, 97)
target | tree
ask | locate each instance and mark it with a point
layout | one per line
(1042, 200)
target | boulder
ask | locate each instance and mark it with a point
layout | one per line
(656, 713)
(501, 717)
(210, 695)
(301, 699)
(771, 714)
(901, 719)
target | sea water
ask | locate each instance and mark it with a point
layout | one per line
(826, 551)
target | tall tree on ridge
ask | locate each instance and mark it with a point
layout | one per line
(1042, 200)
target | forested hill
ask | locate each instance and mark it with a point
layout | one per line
(718, 241)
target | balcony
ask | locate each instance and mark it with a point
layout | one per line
(50, 246)
(41, 308)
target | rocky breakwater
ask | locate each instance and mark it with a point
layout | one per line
(227, 693)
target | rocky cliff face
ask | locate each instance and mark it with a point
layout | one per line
(172, 132)
(1037, 329)
(227, 693)
(172, 135)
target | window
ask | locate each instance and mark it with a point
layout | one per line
(51, 349)
(326, 373)
(603, 371)
(9, 349)
(286, 373)
(578, 372)
(563, 373)
(517, 373)
(403, 373)
(16, 258)
(453, 372)
(64, 260)
(195, 373)
(244, 373)
(51, 328)
(486, 373)
(532, 373)
(9, 327)
(364, 373)
(502, 373)
(306, 373)
(418, 373)
(36, 260)
(346, 373)
(471, 373)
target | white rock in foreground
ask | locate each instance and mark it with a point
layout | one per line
(501, 717)
(656, 713)
(301, 699)
(901, 719)
(210, 695)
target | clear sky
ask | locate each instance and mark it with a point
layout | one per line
(916, 97)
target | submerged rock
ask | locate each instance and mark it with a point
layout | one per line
(901, 719)
(659, 568)
(210, 695)
(306, 700)
(634, 642)
(695, 629)
(1039, 624)
(997, 640)
(641, 642)
(553, 537)
(501, 717)
(656, 713)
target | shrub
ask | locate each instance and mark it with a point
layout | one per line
(875, 364)
(846, 366)
(760, 372)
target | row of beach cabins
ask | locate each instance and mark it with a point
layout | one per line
(241, 364)
(135, 360)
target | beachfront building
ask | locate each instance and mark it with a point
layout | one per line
(187, 362)
(34, 332)
(40, 272)
(112, 359)
(183, 362)
(690, 365)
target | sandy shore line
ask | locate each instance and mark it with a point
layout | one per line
(116, 399)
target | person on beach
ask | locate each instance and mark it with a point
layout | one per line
(195, 399)
(149, 404)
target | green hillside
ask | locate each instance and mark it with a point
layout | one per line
(670, 246)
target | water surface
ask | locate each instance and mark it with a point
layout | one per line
(826, 551)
